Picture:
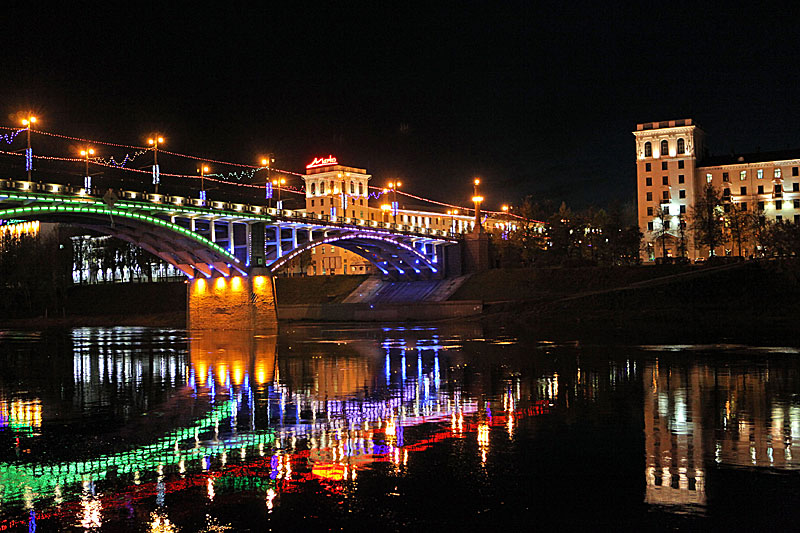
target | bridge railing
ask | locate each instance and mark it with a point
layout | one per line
(288, 215)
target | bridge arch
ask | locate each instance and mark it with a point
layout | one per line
(186, 250)
(390, 255)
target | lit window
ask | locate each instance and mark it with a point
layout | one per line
(777, 173)
(681, 146)
(725, 177)
(760, 173)
(664, 148)
(648, 150)
(708, 178)
(743, 175)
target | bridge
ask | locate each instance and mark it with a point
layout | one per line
(237, 244)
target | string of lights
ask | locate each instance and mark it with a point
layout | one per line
(248, 174)
(9, 137)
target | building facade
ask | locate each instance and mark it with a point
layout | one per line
(673, 168)
(336, 191)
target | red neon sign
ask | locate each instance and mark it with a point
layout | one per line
(322, 162)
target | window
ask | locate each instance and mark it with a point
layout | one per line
(664, 148)
(726, 191)
(760, 189)
(760, 206)
(322, 201)
(313, 188)
(725, 177)
(665, 180)
(778, 218)
(666, 224)
(649, 211)
(312, 202)
(760, 173)
(352, 188)
(680, 164)
(681, 146)
(648, 181)
(360, 189)
(795, 187)
(796, 204)
(797, 219)
(794, 171)
(742, 190)
(708, 178)
(777, 173)
(664, 165)
(648, 167)
(778, 188)
(743, 206)
(665, 195)
(648, 149)
(681, 178)
(682, 193)
(649, 197)
(778, 204)
(650, 226)
(683, 209)
(743, 175)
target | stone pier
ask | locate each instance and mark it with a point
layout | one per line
(232, 303)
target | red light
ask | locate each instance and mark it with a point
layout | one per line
(322, 162)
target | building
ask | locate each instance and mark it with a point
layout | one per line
(673, 168)
(338, 192)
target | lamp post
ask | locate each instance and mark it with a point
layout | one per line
(385, 208)
(154, 142)
(477, 199)
(28, 122)
(266, 163)
(203, 169)
(452, 213)
(87, 179)
(277, 182)
(393, 186)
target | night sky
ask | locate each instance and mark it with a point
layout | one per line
(535, 98)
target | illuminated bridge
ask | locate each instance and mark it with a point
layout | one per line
(204, 239)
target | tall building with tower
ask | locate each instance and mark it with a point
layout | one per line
(673, 168)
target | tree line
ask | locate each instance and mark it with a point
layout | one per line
(550, 235)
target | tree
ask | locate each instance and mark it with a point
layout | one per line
(707, 220)
(662, 227)
(737, 224)
(759, 226)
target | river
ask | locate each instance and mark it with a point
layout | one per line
(391, 428)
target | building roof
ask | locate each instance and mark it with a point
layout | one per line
(755, 157)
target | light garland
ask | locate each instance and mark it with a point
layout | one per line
(9, 137)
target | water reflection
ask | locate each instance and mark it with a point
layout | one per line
(699, 414)
(147, 427)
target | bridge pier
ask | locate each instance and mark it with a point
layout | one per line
(232, 303)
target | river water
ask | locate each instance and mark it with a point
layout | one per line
(391, 428)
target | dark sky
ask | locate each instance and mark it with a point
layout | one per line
(536, 98)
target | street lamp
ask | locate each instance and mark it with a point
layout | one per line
(28, 122)
(277, 182)
(154, 142)
(452, 213)
(477, 199)
(266, 162)
(385, 208)
(393, 186)
(203, 170)
(87, 179)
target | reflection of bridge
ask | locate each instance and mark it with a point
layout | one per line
(203, 239)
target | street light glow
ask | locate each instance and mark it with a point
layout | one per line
(477, 181)
(477, 199)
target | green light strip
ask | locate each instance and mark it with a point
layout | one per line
(42, 479)
(104, 210)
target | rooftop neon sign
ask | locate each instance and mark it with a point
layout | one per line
(322, 162)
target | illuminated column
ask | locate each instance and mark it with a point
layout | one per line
(248, 241)
(278, 241)
(230, 237)
(236, 303)
(294, 238)
(213, 232)
(192, 224)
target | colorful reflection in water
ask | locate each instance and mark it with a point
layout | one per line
(129, 429)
